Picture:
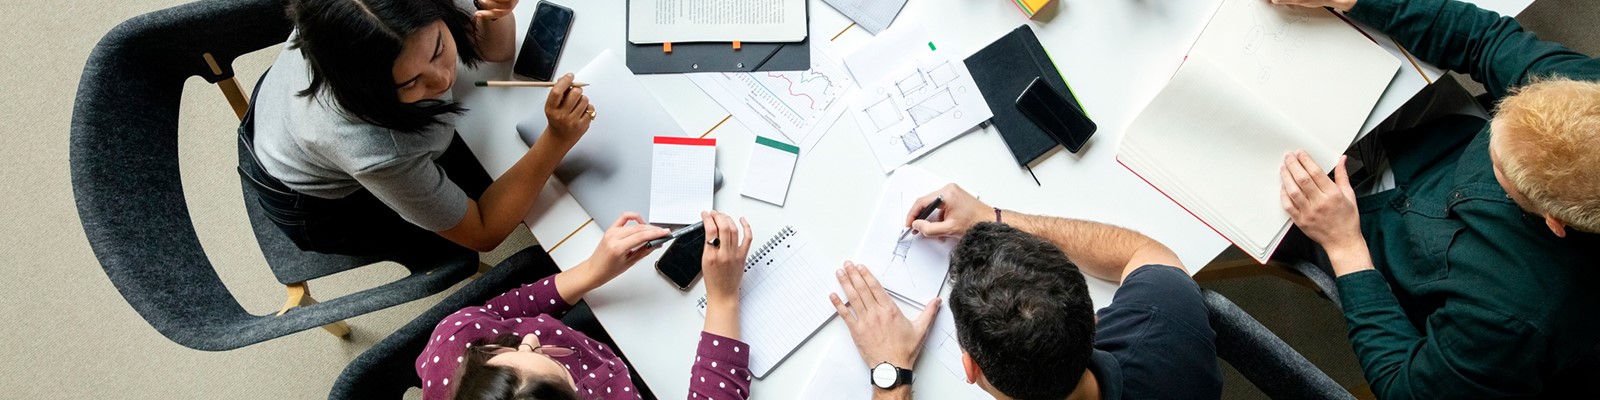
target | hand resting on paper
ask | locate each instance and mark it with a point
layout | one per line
(1325, 209)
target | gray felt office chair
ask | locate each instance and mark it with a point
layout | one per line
(125, 177)
(388, 369)
(1263, 358)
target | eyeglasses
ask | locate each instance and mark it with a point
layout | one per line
(549, 350)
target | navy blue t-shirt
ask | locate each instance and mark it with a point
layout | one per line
(1155, 341)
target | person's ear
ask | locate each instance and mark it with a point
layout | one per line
(1556, 226)
(971, 368)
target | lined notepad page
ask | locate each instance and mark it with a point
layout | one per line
(783, 298)
(682, 173)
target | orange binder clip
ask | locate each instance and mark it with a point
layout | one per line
(666, 47)
(736, 45)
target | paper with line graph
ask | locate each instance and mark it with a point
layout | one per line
(920, 96)
(797, 105)
(913, 269)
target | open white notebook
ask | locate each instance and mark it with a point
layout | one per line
(1261, 81)
(783, 298)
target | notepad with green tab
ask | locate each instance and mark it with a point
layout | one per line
(771, 167)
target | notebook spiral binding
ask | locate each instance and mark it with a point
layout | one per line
(768, 247)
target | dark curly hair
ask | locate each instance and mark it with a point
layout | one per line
(351, 46)
(481, 381)
(1022, 312)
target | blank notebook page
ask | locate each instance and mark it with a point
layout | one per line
(783, 298)
(682, 173)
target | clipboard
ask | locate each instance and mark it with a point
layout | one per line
(720, 56)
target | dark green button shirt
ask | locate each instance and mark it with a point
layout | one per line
(1472, 297)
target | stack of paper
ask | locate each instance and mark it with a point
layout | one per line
(1262, 80)
(770, 169)
(681, 179)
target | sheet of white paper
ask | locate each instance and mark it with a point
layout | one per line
(836, 377)
(797, 105)
(771, 167)
(918, 109)
(682, 173)
(872, 15)
(914, 268)
(657, 21)
(888, 53)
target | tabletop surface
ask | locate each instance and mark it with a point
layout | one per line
(1115, 54)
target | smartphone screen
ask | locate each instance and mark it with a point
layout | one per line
(1059, 118)
(681, 261)
(541, 48)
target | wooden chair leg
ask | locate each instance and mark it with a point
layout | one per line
(230, 88)
(300, 296)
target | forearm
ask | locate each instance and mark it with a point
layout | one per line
(497, 39)
(1349, 258)
(574, 283)
(506, 202)
(900, 393)
(1461, 37)
(1100, 250)
(722, 317)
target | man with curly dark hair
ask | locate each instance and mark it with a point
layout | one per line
(1025, 321)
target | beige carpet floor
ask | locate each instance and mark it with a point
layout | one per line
(68, 334)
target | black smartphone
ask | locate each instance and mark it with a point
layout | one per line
(681, 262)
(541, 48)
(1059, 118)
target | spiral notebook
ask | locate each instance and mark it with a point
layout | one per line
(783, 298)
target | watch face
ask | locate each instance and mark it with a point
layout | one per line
(884, 375)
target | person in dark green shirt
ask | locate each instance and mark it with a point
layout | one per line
(1477, 275)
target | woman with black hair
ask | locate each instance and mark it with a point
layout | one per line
(353, 128)
(516, 347)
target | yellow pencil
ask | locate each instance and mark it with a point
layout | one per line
(521, 84)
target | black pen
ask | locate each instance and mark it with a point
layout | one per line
(926, 211)
(674, 235)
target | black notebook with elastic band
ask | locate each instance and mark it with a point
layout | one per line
(1002, 70)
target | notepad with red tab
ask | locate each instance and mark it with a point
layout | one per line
(682, 176)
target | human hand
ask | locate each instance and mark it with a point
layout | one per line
(1324, 209)
(491, 10)
(622, 246)
(568, 110)
(959, 209)
(880, 331)
(1341, 5)
(723, 264)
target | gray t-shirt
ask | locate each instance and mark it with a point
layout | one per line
(311, 146)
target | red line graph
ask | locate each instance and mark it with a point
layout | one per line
(791, 89)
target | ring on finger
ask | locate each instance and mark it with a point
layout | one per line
(714, 242)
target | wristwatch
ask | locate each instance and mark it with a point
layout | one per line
(887, 376)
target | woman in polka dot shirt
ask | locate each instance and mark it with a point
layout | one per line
(515, 346)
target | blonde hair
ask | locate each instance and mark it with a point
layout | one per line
(1549, 148)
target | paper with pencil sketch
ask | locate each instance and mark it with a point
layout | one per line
(915, 96)
(837, 377)
(1261, 81)
(913, 269)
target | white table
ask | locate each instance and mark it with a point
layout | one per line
(1116, 54)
